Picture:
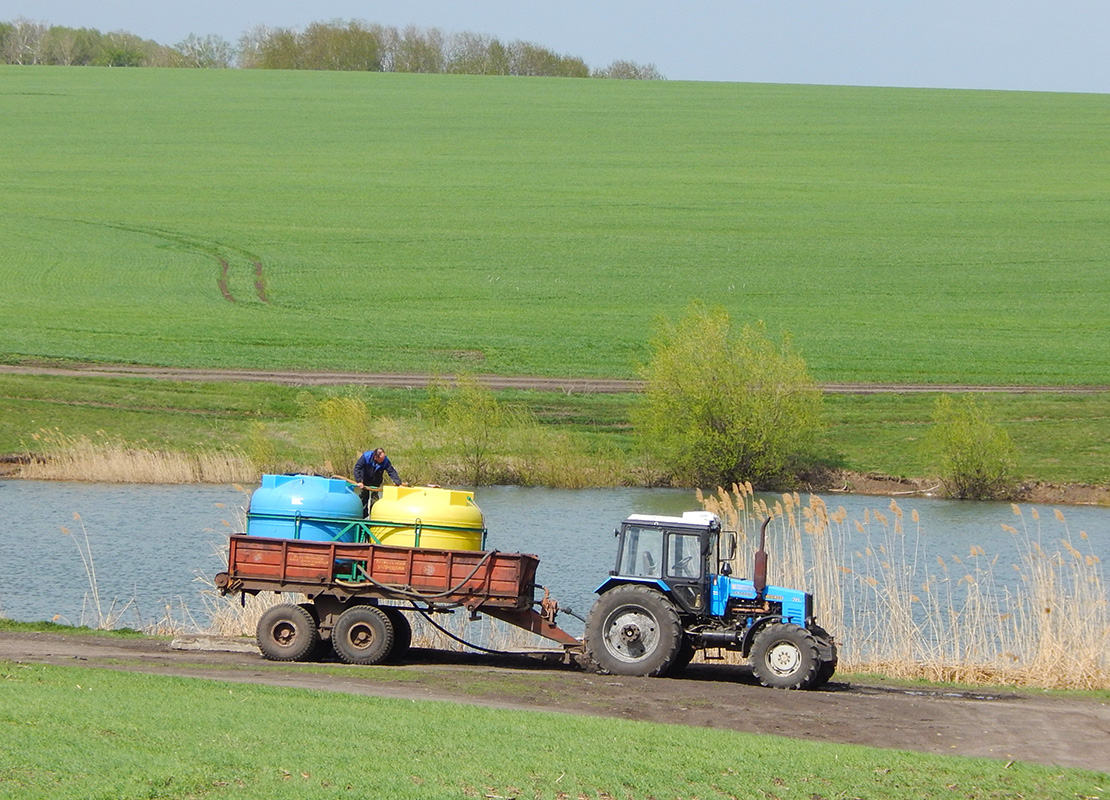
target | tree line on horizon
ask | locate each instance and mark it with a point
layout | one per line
(353, 46)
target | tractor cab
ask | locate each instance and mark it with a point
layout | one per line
(678, 555)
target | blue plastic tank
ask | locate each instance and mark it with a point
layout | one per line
(303, 507)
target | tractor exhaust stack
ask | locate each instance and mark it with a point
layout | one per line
(759, 574)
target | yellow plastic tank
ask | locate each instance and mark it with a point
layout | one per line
(425, 516)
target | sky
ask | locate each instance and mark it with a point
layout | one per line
(1029, 45)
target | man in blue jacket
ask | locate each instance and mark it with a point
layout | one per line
(369, 471)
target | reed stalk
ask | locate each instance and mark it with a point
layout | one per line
(895, 612)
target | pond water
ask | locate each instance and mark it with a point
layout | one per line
(154, 548)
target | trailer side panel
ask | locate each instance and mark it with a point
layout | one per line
(471, 578)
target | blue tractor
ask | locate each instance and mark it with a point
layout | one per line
(672, 594)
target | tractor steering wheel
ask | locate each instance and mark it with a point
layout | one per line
(682, 566)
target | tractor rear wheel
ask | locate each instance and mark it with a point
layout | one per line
(633, 630)
(363, 634)
(287, 632)
(686, 653)
(784, 656)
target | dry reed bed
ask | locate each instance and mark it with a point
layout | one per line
(897, 612)
(525, 455)
(111, 460)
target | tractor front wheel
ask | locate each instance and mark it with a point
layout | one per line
(633, 630)
(784, 656)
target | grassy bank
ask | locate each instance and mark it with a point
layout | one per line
(1060, 438)
(73, 732)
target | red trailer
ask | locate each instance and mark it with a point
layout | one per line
(359, 593)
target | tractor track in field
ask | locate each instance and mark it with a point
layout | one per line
(1063, 730)
(421, 380)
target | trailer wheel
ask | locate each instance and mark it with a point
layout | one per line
(287, 633)
(402, 632)
(362, 635)
(784, 656)
(633, 630)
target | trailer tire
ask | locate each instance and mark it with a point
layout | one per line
(633, 630)
(287, 632)
(402, 632)
(363, 634)
(784, 656)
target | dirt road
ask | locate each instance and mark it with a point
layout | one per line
(1071, 731)
(415, 381)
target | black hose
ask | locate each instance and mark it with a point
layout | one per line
(571, 611)
(408, 591)
(458, 639)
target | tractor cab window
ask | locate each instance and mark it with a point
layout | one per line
(684, 556)
(642, 554)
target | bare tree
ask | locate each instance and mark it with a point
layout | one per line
(390, 40)
(420, 51)
(24, 42)
(209, 52)
(475, 54)
(249, 52)
(630, 70)
(60, 46)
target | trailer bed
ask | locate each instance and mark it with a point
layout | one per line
(489, 579)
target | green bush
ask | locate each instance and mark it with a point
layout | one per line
(261, 449)
(340, 430)
(474, 425)
(721, 408)
(975, 458)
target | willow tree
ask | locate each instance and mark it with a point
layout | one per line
(722, 407)
(976, 458)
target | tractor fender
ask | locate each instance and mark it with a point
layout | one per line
(613, 581)
(757, 625)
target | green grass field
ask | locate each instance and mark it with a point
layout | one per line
(387, 222)
(84, 733)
